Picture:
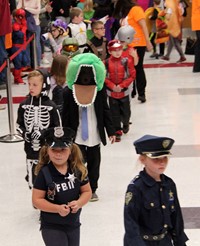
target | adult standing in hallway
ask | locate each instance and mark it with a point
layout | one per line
(195, 21)
(130, 13)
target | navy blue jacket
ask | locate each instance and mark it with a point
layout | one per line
(151, 208)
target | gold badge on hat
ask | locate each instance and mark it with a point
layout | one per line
(128, 197)
(166, 143)
(58, 132)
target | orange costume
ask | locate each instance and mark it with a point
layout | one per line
(195, 19)
(136, 14)
(175, 17)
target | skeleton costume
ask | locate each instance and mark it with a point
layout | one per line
(35, 114)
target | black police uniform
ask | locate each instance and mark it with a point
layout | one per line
(152, 214)
(67, 189)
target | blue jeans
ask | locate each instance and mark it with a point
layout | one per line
(3, 56)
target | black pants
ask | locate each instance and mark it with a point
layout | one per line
(120, 111)
(196, 66)
(161, 45)
(57, 237)
(92, 155)
(140, 81)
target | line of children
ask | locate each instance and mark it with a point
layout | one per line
(120, 74)
(35, 114)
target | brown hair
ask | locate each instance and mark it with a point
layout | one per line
(157, 2)
(88, 6)
(75, 160)
(58, 69)
(95, 24)
(75, 12)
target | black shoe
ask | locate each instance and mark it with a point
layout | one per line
(94, 197)
(125, 129)
(133, 94)
(142, 98)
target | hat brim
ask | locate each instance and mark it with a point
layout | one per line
(59, 144)
(158, 154)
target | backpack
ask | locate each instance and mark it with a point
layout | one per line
(31, 25)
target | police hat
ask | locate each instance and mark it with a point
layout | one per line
(59, 137)
(154, 146)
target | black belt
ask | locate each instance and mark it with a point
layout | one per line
(155, 237)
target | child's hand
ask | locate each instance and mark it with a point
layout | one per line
(61, 11)
(48, 8)
(50, 35)
(133, 52)
(64, 210)
(118, 88)
(112, 139)
(75, 206)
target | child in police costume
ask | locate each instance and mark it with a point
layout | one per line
(61, 188)
(35, 114)
(152, 214)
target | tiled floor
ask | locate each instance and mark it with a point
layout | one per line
(172, 109)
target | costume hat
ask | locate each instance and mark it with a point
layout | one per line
(59, 137)
(154, 146)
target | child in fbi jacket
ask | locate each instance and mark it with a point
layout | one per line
(61, 188)
(152, 214)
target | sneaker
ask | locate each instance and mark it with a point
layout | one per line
(133, 94)
(94, 197)
(2, 107)
(125, 129)
(118, 138)
(2, 86)
(165, 58)
(44, 61)
(182, 59)
(154, 55)
(142, 98)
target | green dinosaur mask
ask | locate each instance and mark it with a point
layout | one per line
(85, 76)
